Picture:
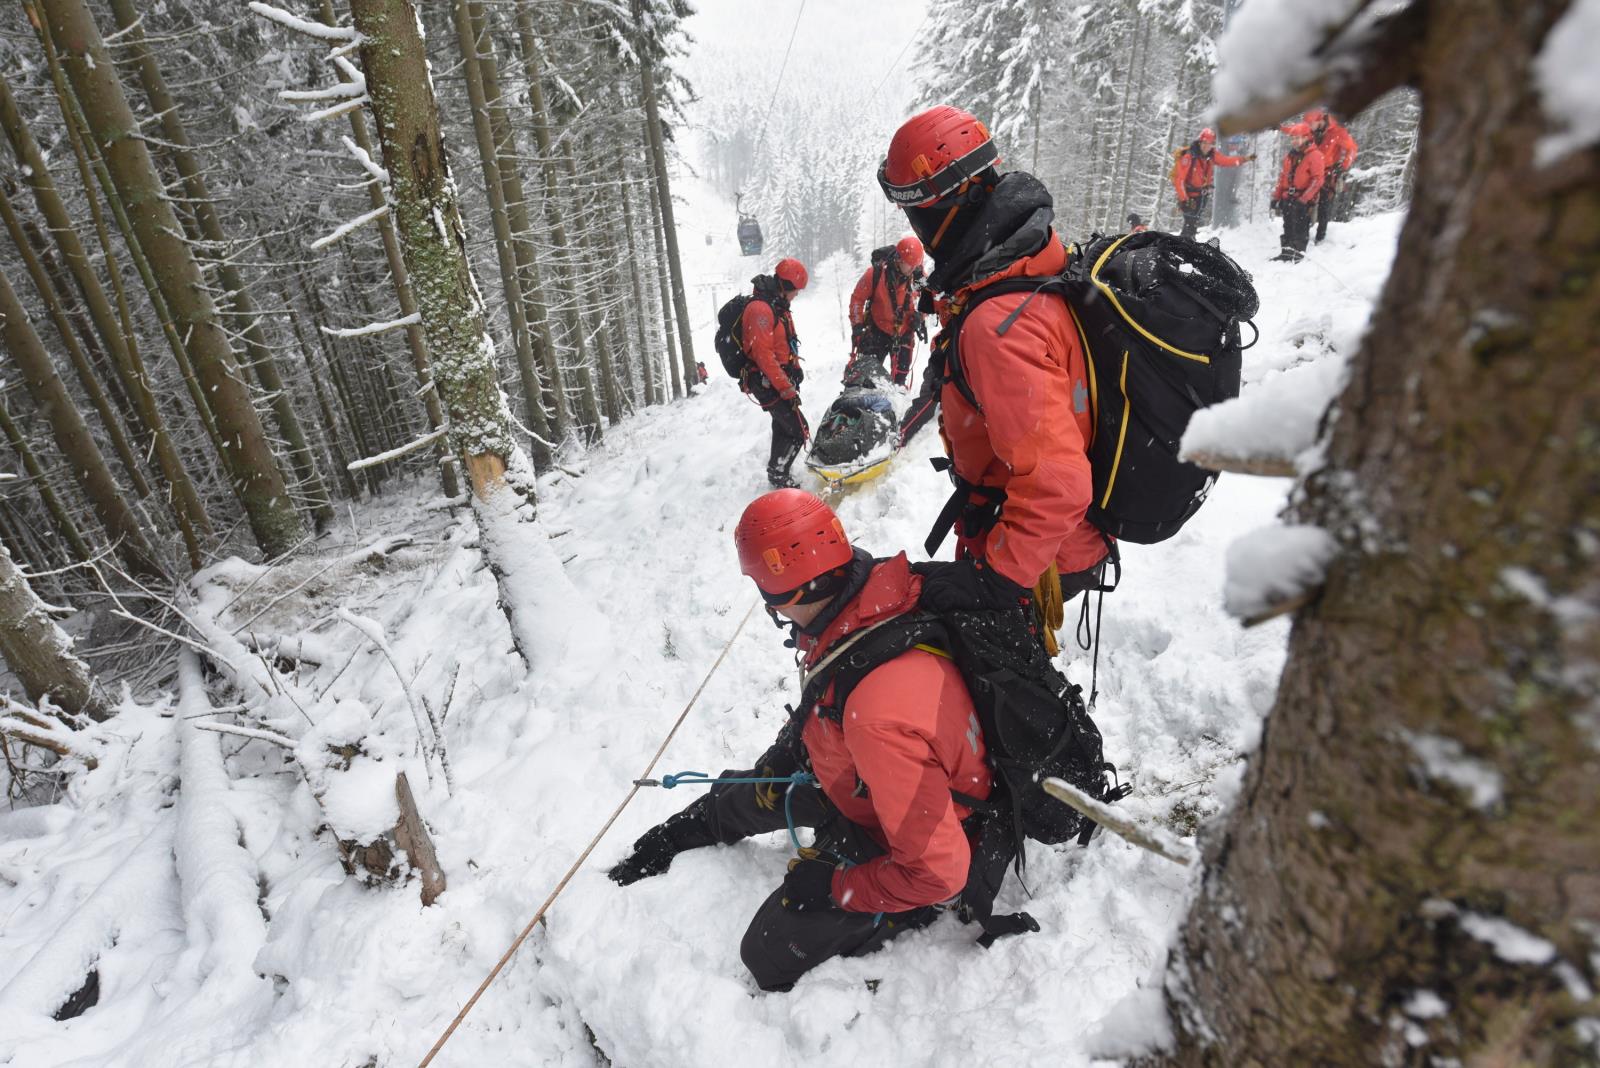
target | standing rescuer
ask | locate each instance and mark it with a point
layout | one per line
(1017, 456)
(773, 375)
(1338, 150)
(883, 308)
(890, 843)
(1194, 175)
(1299, 183)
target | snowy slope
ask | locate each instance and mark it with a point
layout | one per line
(647, 975)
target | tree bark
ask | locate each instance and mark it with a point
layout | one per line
(416, 342)
(65, 526)
(113, 329)
(658, 159)
(209, 224)
(87, 377)
(433, 238)
(680, 384)
(246, 454)
(38, 653)
(495, 187)
(1429, 769)
(73, 437)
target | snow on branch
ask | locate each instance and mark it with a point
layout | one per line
(25, 725)
(217, 874)
(336, 91)
(1276, 570)
(320, 31)
(368, 164)
(397, 452)
(249, 732)
(353, 224)
(373, 328)
(429, 735)
(336, 110)
(1279, 57)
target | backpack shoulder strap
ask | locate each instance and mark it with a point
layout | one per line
(859, 654)
(950, 364)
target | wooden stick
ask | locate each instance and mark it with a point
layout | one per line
(1146, 836)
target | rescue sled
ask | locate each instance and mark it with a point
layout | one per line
(856, 439)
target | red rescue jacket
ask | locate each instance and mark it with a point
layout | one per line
(1338, 148)
(891, 303)
(768, 339)
(1024, 380)
(1301, 176)
(907, 736)
(1194, 172)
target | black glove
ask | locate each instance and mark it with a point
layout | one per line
(857, 332)
(809, 886)
(969, 585)
(652, 854)
(922, 328)
(1276, 204)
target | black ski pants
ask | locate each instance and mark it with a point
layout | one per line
(1196, 209)
(896, 351)
(1326, 204)
(1296, 228)
(789, 427)
(781, 945)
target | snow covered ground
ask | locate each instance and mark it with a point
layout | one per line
(647, 975)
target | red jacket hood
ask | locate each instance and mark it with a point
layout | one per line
(892, 589)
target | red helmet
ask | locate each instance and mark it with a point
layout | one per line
(788, 537)
(932, 154)
(1314, 116)
(1207, 134)
(1297, 129)
(792, 272)
(910, 252)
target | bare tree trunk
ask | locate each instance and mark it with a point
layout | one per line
(115, 332)
(495, 186)
(73, 437)
(87, 377)
(210, 227)
(415, 340)
(658, 159)
(47, 494)
(680, 384)
(245, 452)
(647, 360)
(38, 653)
(561, 280)
(432, 237)
(1426, 786)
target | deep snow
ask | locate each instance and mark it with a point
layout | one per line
(647, 975)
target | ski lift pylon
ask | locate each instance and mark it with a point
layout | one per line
(749, 231)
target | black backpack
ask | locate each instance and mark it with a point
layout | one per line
(1033, 720)
(728, 341)
(1158, 316)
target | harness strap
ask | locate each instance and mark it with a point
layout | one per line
(979, 515)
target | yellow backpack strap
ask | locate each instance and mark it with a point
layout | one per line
(1049, 608)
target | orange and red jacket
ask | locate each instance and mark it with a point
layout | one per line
(1194, 173)
(768, 339)
(906, 737)
(1338, 148)
(1025, 381)
(892, 303)
(1301, 176)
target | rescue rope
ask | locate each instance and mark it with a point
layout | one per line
(565, 879)
(700, 778)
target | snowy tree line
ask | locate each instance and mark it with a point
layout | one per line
(1097, 99)
(205, 301)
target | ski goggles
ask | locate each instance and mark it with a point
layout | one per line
(933, 187)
